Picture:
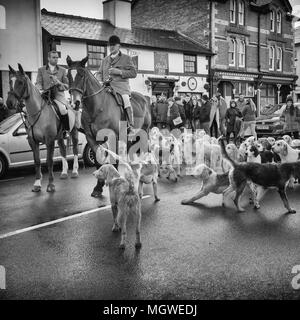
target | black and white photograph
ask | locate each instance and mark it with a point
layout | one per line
(149, 151)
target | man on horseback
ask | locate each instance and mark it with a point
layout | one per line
(118, 68)
(53, 75)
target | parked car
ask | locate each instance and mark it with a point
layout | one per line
(269, 123)
(16, 152)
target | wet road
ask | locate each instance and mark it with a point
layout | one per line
(189, 252)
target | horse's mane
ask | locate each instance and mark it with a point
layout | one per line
(93, 78)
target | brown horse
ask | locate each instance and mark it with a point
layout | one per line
(43, 126)
(100, 109)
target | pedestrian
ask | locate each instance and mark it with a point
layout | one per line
(3, 110)
(195, 113)
(188, 108)
(222, 107)
(291, 118)
(249, 117)
(241, 102)
(174, 119)
(205, 110)
(161, 114)
(231, 116)
(153, 111)
(214, 117)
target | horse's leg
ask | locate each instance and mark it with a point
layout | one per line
(63, 153)
(74, 136)
(37, 163)
(50, 152)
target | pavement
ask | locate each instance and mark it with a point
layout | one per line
(60, 246)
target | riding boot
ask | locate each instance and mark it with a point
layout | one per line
(66, 126)
(129, 113)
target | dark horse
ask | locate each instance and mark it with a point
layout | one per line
(100, 109)
(43, 126)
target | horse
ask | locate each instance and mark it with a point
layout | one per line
(43, 126)
(11, 103)
(100, 109)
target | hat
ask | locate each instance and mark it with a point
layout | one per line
(289, 98)
(205, 97)
(113, 40)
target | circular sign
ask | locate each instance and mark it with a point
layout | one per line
(192, 83)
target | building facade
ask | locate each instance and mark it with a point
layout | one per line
(167, 61)
(252, 42)
(297, 61)
(20, 39)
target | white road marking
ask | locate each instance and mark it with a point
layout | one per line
(42, 225)
(12, 179)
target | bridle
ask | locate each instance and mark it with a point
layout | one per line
(82, 91)
(22, 95)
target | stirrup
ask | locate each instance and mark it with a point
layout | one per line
(66, 134)
(131, 131)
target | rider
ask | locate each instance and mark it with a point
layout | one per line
(119, 68)
(53, 75)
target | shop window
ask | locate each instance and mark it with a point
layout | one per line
(190, 63)
(2, 17)
(242, 54)
(241, 13)
(232, 52)
(232, 11)
(271, 58)
(96, 55)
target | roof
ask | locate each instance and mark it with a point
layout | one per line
(77, 27)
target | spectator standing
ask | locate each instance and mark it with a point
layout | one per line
(222, 106)
(291, 118)
(241, 102)
(195, 113)
(3, 110)
(179, 101)
(214, 122)
(162, 110)
(205, 110)
(249, 117)
(187, 104)
(231, 116)
(173, 114)
(153, 111)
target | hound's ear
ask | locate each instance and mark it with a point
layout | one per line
(11, 70)
(285, 149)
(111, 174)
(84, 61)
(21, 69)
(256, 153)
(69, 61)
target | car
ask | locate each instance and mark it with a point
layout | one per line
(16, 152)
(269, 123)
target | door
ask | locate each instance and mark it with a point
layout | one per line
(167, 88)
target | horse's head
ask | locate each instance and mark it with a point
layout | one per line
(77, 80)
(18, 81)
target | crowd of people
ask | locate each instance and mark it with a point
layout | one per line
(215, 117)
(6, 110)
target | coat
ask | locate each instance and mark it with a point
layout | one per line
(231, 115)
(196, 112)
(188, 109)
(222, 106)
(174, 111)
(205, 112)
(162, 110)
(120, 82)
(182, 113)
(44, 81)
(214, 112)
(154, 112)
(291, 122)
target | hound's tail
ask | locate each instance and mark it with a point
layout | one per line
(224, 152)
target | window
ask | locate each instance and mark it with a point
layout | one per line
(271, 58)
(2, 18)
(279, 59)
(272, 22)
(241, 13)
(190, 64)
(279, 15)
(232, 11)
(96, 55)
(232, 50)
(242, 53)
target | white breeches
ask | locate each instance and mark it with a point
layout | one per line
(126, 100)
(62, 107)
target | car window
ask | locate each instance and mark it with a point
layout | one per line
(21, 130)
(6, 124)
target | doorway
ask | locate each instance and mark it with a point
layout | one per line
(165, 87)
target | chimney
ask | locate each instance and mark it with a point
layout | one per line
(118, 13)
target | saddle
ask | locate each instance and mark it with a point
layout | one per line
(49, 96)
(118, 99)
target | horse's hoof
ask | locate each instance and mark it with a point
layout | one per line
(74, 175)
(115, 228)
(64, 176)
(185, 202)
(36, 189)
(50, 187)
(156, 200)
(122, 246)
(291, 211)
(138, 245)
(96, 194)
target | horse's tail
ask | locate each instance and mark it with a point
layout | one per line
(225, 154)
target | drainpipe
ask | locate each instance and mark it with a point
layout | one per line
(258, 65)
(210, 76)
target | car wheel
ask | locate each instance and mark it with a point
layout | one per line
(3, 166)
(88, 156)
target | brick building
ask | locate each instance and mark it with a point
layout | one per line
(297, 60)
(252, 40)
(167, 61)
